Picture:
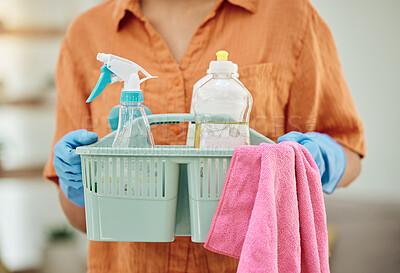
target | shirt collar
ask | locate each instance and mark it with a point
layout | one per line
(249, 5)
(121, 6)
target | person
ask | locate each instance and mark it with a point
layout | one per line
(287, 59)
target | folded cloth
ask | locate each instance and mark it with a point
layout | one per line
(271, 213)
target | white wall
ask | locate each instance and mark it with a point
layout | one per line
(367, 34)
(21, 78)
(28, 14)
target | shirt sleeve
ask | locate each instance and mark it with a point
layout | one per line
(72, 113)
(320, 99)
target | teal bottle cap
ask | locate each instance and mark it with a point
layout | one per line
(132, 96)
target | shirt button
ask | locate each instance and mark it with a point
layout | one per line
(177, 82)
(176, 129)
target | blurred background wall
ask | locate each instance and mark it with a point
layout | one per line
(368, 40)
(364, 218)
(34, 235)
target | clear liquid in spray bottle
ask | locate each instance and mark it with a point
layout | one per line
(133, 131)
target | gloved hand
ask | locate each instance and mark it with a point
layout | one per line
(68, 164)
(327, 153)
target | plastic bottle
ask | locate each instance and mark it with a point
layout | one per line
(222, 107)
(192, 127)
(113, 117)
(132, 131)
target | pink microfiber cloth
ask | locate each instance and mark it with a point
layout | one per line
(271, 213)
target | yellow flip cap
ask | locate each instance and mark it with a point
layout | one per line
(222, 55)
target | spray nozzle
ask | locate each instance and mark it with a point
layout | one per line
(117, 69)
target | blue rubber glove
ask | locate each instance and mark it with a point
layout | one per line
(113, 117)
(327, 153)
(68, 164)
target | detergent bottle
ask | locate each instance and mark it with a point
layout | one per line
(222, 107)
(132, 131)
(192, 126)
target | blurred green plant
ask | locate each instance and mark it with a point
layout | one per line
(50, 82)
(61, 233)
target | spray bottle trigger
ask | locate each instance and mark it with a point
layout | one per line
(147, 78)
(104, 79)
(115, 79)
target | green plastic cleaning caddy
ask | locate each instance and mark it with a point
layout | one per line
(153, 194)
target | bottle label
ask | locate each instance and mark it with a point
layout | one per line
(221, 136)
(190, 134)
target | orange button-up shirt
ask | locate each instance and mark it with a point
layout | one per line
(287, 60)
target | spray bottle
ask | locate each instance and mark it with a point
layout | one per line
(117, 69)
